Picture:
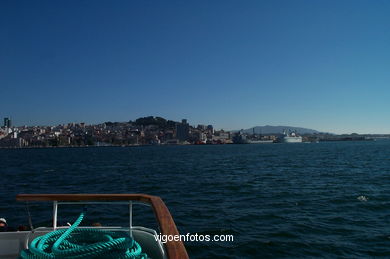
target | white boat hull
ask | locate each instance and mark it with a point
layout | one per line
(292, 139)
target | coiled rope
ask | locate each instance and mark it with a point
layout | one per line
(74, 243)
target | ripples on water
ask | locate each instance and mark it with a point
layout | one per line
(278, 200)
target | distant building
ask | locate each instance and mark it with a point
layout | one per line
(221, 136)
(210, 129)
(201, 127)
(7, 123)
(199, 136)
(182, 130)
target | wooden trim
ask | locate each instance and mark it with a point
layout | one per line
(174, 249)
(84, 197)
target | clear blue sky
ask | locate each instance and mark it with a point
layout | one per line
(234, 64)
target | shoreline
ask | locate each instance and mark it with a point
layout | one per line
(134, 145)
(149, 145)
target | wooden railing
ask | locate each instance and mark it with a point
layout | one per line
(174, 249)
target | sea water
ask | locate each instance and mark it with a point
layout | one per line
(299, 200)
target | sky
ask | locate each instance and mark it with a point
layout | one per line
(233, 64)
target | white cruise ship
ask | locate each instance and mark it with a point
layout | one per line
(291, 138)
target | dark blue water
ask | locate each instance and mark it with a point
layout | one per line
(279, 200)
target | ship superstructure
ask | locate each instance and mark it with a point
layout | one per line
(291, 137)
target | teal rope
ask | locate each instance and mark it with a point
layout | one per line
(75, 243)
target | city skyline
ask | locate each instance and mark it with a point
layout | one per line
(159, 131)
(318, 65)
(10, 124)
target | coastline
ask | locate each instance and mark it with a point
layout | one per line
(186, 144)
